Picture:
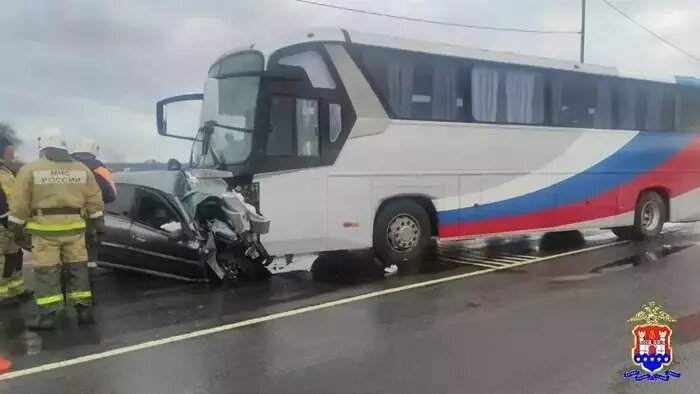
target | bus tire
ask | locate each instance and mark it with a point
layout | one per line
(649, 217)
(401, 232)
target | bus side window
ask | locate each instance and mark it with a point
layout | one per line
(688, 114)
(581, 101)
(280, 140)
(507, 95)
(294, 127)
(307, 127)
(646, 106)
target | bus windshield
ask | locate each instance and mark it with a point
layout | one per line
(237, 98)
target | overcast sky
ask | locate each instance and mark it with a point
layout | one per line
(97, 67)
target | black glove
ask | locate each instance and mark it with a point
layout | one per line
(18, 235)
(25, 242)
(96, 225)
(16, 229)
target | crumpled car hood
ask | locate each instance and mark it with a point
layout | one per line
(210, 189)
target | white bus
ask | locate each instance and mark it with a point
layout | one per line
(348, 140)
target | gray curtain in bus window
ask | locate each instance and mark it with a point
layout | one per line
(484, 94)
(690, 114)
(445, 92)
(557, 94)
(654, 102)
(627, 107)
(307, 127)
(603, 114)
(400, 83)
(678, 117)
(521, 103)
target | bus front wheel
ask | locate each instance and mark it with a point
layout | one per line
(649, 218)
(401, 232)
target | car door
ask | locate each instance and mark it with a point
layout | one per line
(115, 241)
(151, 248)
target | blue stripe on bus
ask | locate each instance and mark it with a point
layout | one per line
(641, 154)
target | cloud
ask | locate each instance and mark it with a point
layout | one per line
(97, 68)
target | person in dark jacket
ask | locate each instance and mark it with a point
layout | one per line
(86, 152)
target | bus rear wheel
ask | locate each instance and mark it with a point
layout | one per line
(401, 232)
(649, 218)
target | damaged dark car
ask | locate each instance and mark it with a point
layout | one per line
(183, 224)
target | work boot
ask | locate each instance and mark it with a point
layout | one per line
(43, 322)
(84, 315)
(9, 302)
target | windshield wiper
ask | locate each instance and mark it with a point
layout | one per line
(210, 125)
(207, 130)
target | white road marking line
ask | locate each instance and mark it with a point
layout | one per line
(503, 260)
(463, 262)
(480, 259)
(279, 315)
(471, 259)
(513, 259)
(494, 262)
(523, 257)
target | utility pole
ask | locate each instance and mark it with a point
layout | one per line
(583, 30)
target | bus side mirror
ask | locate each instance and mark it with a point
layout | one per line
(161, 113)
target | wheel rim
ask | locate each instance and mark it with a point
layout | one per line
(403, 233)
(651, 215)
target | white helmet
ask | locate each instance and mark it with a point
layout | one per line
(52, 138)
(87, 145)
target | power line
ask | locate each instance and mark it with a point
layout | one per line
(405, 18)
(665, 41)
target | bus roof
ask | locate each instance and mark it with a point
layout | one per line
(429, 47)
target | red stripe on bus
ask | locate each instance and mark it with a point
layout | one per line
(678, 175)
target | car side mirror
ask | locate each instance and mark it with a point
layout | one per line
(174, 165)
(174, 230)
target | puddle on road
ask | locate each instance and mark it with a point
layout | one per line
(640, 259)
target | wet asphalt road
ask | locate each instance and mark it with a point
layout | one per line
(557, 326)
